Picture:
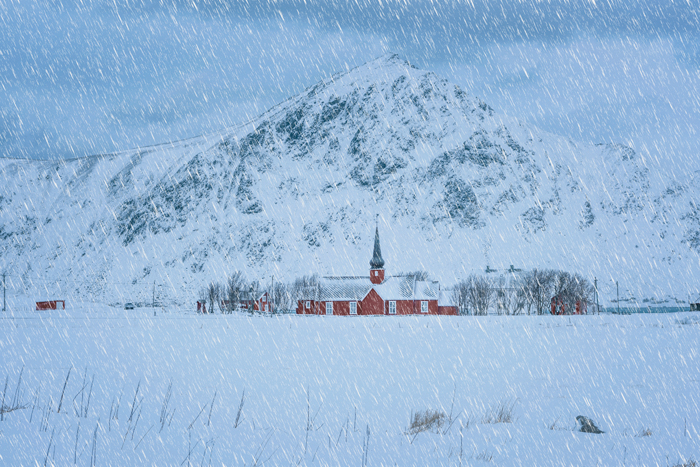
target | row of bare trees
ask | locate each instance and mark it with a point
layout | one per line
(306, 288)
(226, 297)
(519, 293)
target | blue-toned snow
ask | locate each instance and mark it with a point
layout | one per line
(631, 374)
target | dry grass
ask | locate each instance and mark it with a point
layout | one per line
(8, 405)
(485, 456)
(688, 463)
(428, 420)
(555, 426)
(502, 413)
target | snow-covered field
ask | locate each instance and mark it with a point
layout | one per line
(342, 391)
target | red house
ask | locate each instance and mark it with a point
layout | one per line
(261, 303)
(376, 294)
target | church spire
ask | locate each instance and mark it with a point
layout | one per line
(377, 262)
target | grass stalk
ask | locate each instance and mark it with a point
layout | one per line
(60, 402)
(211, 407)
(48, 450)
(240, 411)
(93, 457)
(2, 404)
(365, 448)
(75, 452)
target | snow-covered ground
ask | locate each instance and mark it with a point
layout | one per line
(342, 391)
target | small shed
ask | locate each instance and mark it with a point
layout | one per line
(50, 305)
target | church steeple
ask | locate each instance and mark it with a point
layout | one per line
(376, 264)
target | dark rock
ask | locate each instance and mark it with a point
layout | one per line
(587, 216)
(460, 203)
(533, 219)
(587, 425)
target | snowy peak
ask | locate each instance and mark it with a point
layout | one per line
(457, 187)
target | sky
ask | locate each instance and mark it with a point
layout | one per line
(82, 78)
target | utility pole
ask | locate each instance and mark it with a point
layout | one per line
(4, 301)
(153, 302)
(595, 285)
(617, 284)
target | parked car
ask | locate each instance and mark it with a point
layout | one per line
(129, 306)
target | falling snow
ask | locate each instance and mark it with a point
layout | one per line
(151, 149)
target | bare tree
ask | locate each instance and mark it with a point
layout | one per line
(473, 295)
(508, 296)
(545, 290)
(503, 297)
(253, 295)
(205, 297)
(480, 294)
(533, 291)
(526, 293)
(518, 300)
(235, 290)
(540, 286)
(460, 296)
(306, 288)
(538, 289)
(571, 289)
(213, 296)
(281, 297)
(584, 290)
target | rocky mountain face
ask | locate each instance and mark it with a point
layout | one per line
(455, 185)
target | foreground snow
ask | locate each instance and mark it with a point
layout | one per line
(342, 391)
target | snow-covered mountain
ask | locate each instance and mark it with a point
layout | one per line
(456, 187)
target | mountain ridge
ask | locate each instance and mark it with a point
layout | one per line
(296, 190)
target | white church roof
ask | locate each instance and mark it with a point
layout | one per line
(355, 288)
(344, 288)
(407, 288)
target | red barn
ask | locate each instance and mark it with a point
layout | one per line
(380, 295)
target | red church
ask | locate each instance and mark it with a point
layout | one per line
(377, 294)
